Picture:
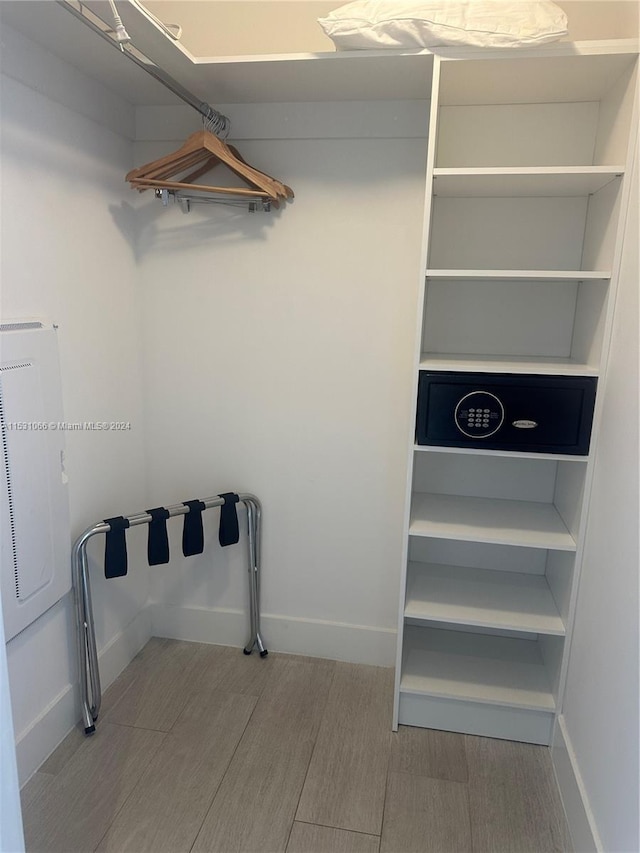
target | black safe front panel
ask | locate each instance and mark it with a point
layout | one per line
(496, 411)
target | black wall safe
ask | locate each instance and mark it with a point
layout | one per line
(500, 411)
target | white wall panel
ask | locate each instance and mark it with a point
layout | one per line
(294, 120)
(517, 135)
(601, 698)
(35, 545)
(293, 373)
(507, 233)
(499, 317)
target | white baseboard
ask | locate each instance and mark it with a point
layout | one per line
(582, 826)
(40, 738)
(36, 743)
(312, 637)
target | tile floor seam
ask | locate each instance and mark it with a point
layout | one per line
(133, 726)
(312, 753)
(339, 828)
(226, 770)
(109, 711)
(468, 784)
(133, 788)
(386, 787)
(426, 776)
(468, 793)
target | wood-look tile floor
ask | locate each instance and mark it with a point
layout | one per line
(201, 748)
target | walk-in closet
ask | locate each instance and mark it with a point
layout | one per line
(330, 296)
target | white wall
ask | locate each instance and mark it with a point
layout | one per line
(597, 739)
(68, 257)
(278, 353)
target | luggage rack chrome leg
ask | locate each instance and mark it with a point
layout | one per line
(90, 690)
(254, 513)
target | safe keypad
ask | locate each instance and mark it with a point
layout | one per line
(479, 414)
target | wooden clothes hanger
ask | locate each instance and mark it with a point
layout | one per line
(204, 150)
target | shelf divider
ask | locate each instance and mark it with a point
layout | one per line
(476, 668)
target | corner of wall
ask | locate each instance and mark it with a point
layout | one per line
(43, 734)
(582, 827)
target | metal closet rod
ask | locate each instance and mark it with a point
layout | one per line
(205, 109)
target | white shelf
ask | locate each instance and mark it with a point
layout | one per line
(521, 275)
(508, 364)
(475, 668)
(506, 454)
(459, 595)
(502, 522)
(523, 182)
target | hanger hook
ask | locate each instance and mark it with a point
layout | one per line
(215, 122)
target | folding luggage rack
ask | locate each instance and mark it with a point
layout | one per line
(90, 690)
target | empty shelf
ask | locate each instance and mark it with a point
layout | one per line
(479, 597)
(476, 668)
(503, 522)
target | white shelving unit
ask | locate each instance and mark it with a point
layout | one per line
(525, 197)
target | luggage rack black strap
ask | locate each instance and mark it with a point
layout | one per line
(115, 547)
(229, 531)
(193, 532)
(158, 539)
